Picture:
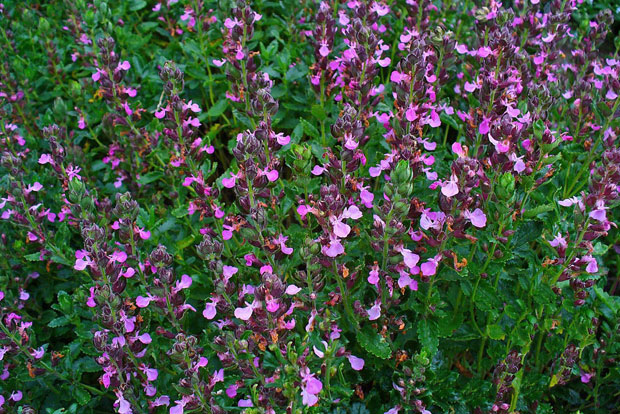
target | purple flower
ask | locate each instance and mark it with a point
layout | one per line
(356, 363)
(45, 159)
(375, 311)
(244, 313)
(118, 256)
(450, 188)
(477, 217)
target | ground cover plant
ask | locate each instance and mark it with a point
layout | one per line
(309, 207)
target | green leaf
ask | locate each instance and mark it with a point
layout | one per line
(182, 244)
(495, 332)
(33, 257)
(319, 112)
(58, 322)
(180, 211)
(136, 5)
(538, 210)
(374, 343)
(309, 129)
(427, 334)
(64, 300)
(150, 177)
(219, 108)
(81, 395)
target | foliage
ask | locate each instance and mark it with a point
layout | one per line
(300, 206)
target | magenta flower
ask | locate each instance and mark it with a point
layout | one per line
(45, 159)
(118, 256)
(334, 248)
(429, 268)
(450, 188)
(310, 387)
(210, 309)
(406, 280)
(484, 126)
(356, 363)
(477, 217)
(82, 260)
(375, 311)
(230, 182)
(592, 266)
(245, 313)
(33, 187)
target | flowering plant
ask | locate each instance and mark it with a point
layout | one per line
(309, 206)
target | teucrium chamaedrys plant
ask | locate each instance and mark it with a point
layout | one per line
(308, 206)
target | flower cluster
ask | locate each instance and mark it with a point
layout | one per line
(309, 207)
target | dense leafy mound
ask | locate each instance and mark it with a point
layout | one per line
(309, 207)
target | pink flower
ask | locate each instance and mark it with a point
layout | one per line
(373, 276)
(231, 391)
(123, 405)
(230, 182)
(33, 187)
(229, 271)
(570, 201)
(281, 241)
(375, 311)
(143, 302)
(356, 363)
(477, 218)
(45, 159)
(292, 290)
(484, 126)
(324, 50)
(599, 214)
(127, 109)
(558, 241)
(334, 248)
(429, 268)
(450, 188)
(246, 403)
(244, 313)
(317, 170)
(144, 234)
(586, 377)
(405, 280)
(210, 309)
(82, 263)
(592, 266)
(410, 259)
(500, 146)
(118, 256)
(434, 120)
(123, 65)
(195, 122)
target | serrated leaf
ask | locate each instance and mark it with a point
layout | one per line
(219, 108)
(538, 210)
(318, 112)
(309, 129)
(179, 212)
(33, 257)
(374, 343)
(495, 332)
(137, 5)
(428, 336)
(150, 177)
(81, 395)
(182, 244)
(58, 322)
